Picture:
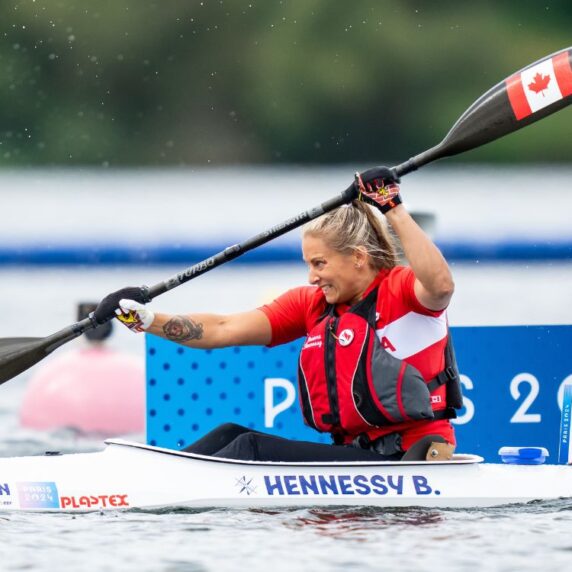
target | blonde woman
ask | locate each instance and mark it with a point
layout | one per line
(377, 368)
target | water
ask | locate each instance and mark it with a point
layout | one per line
(343, 539)
(37, 302)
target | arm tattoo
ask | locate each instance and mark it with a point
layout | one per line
(182, 329)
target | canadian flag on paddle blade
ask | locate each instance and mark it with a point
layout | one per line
(540, 85)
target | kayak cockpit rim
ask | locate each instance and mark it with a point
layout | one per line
(458, 459)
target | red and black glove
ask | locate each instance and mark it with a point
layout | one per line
(378, 187)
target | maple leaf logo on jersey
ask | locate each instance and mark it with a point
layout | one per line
(539, 84)
(346, 337)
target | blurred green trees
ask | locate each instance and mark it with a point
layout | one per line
(165, 82)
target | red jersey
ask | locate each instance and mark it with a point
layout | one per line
(406, 329)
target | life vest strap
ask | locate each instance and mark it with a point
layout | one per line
(448, 374)
(447, 413)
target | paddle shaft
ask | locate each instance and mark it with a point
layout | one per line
(70, 332)
(237, 250)
(230, 253)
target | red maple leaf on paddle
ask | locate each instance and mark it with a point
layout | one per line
(540, 83)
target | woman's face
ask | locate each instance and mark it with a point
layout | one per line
(335, 273)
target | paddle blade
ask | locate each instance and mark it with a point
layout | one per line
(19, 354)
(538, 90)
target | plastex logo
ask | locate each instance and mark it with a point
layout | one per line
(91, 501)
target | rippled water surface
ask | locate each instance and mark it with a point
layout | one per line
(523, 538)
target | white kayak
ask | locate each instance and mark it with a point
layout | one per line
(129, 475)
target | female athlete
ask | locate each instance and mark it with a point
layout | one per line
(377, 369)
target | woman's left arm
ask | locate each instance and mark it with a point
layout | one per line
(434, 284)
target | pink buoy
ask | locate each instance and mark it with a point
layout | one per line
(92, 390)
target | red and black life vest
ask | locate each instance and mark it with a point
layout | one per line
(350, 385)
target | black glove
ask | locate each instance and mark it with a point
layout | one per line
(105, 310)
(378, 187)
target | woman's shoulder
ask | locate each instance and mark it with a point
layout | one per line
(308, 299)
(399, 271)
(306, 295)
(399, 288)
(293, 313)
(300, 298)
(314, 301)
(397, 278)
(397, 284)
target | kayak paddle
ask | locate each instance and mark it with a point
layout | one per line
(530, 94)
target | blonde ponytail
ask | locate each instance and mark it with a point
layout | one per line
(356, 226)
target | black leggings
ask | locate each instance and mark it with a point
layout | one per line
(232, 441)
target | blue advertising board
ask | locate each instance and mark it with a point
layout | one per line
(513, 381)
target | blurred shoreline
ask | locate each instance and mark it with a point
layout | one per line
(203, 206)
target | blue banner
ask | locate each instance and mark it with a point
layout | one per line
(120, 253)
(513, 381)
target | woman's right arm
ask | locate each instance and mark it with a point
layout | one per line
(209, 331)
(193, 330)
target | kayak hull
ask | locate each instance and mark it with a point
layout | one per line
(134, 476)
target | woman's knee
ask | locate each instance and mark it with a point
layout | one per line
(244, 448)
(231, 428)
(216, 439)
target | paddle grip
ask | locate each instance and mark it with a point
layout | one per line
(91, 323)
